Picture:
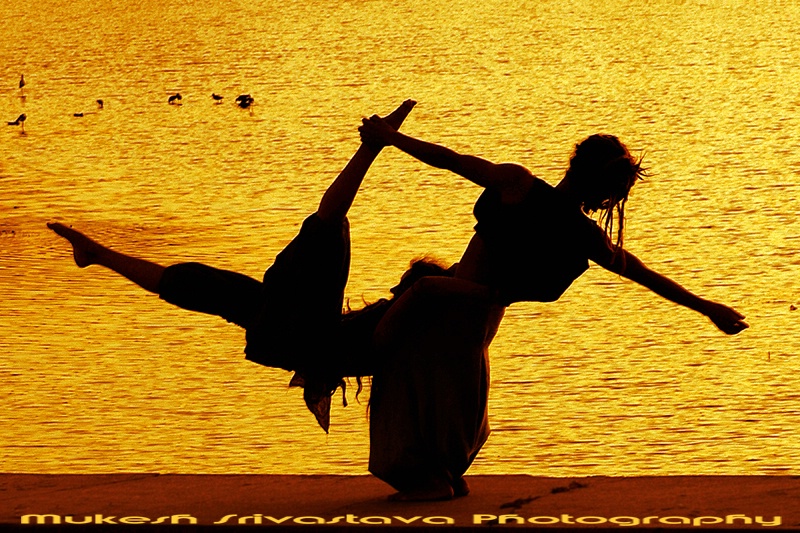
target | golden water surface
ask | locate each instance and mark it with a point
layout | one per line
(97, 375)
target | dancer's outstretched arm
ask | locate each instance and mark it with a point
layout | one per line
(725, 318)
(512, 180)
(339, 197)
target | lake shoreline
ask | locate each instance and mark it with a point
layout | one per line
(282, 502)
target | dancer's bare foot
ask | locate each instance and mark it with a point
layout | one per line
(460, 487)
(84, 249)
(396, 117)
(393, 120)
(434, 490)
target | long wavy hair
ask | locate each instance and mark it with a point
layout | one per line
(603, 167)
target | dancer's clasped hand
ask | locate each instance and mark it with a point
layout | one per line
(374, 131)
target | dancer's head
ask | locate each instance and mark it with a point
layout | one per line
(360, 324)
(602, 172)
(419, 268)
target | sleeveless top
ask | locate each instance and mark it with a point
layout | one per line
(535, 249)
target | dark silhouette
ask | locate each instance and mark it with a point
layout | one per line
(99, 104)
(427, 419)
(515, 204)
(217, 98)
(21, 81)
(175, 99)
(293, 318)
(20, 121)
(77, 114)
(244, 101)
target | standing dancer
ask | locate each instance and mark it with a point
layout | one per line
(531, 241)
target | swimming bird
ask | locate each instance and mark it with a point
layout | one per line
(20, 121)
(244, 100)
(216, 97)
(100, 104)
(175, 97)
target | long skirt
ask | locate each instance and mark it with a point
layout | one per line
(428, 405)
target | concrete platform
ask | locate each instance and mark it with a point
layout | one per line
(319, 502)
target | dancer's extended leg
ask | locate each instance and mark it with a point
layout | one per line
(87, 252)
(192, 286)
(339, 197)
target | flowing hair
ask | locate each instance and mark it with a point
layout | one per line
(604, 168)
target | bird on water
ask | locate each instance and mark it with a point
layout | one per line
(244, 100)
(21, 81)
(19, 122)
(217, 98)
(175, 98)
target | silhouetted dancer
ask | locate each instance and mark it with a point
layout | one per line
(532, 240)
(293, 318)
(20, 121)
(244, 101)
(217, 98)
(174, 99)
